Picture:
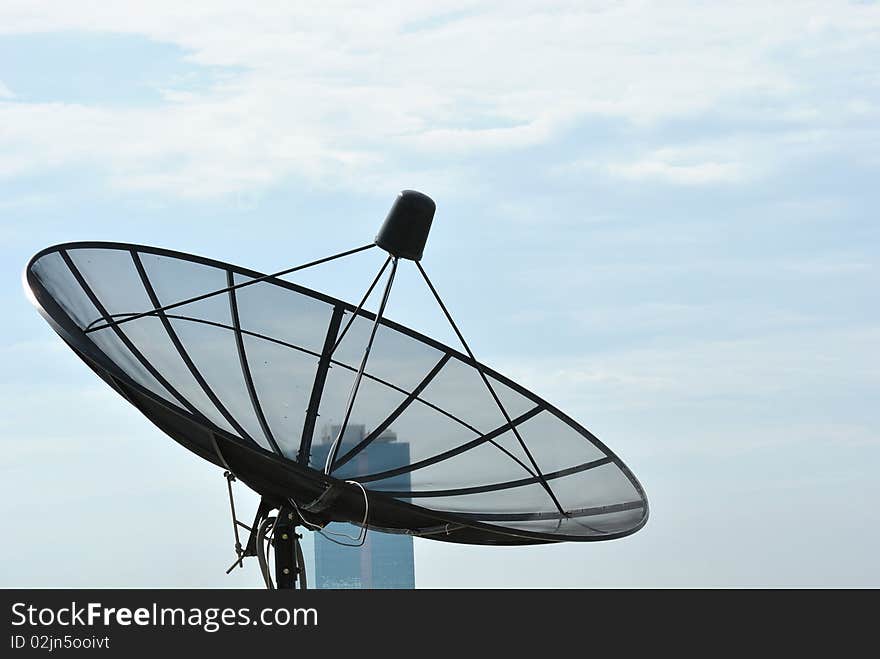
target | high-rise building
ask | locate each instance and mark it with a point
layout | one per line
(385, 560)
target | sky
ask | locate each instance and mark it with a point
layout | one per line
(660, 217)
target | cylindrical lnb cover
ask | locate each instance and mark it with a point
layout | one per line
(405, 231)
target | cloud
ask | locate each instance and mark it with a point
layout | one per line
(685, 174)
(344, 96)
(779, 363)
(5, 92)
(735, 155)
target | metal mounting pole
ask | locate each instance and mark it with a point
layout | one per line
(288, 570)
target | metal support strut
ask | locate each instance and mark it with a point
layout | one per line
(229, 476)
(491, 389)
(278, 532)
(112, 322)
(334, 449)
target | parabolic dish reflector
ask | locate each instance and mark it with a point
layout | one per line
(256, 379)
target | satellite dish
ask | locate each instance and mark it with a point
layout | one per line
(328, 411)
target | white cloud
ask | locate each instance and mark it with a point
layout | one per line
(5, 92)
(341, 95)
(800, 390)
(777, 364)
(732, 159)
(685, 174)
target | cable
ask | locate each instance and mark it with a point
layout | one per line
(265, 540)
(362, 536)
(300, 562)
(263, 553)
(313, 527)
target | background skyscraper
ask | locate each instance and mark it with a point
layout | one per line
(385, 560)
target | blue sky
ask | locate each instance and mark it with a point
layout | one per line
(661, 218)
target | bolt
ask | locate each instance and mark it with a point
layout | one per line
(284, 536)
(286, 571)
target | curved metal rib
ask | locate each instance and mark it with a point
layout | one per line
(308, 433)
(577, 512)
(245, 367)
(127, 342)
(488, 437)
(181, 350)
(378, 430)
(333, 362)
(506, 485)
(249, 282)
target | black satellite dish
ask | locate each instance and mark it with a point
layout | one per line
(267, 380)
